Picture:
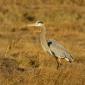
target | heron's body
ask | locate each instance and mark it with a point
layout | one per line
(59, 51)
(53, 47)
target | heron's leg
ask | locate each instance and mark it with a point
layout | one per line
(57, 62)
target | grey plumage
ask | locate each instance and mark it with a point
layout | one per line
(59, 50)
(51, 46)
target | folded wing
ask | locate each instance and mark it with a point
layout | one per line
(59, 51)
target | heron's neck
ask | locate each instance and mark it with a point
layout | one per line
(43, 39)
(43, 35)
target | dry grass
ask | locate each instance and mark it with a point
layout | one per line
(25, 62)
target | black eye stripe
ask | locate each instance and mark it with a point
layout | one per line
(40, 22)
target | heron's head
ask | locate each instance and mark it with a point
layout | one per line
(37, 24)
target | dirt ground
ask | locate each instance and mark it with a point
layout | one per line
(22, 59)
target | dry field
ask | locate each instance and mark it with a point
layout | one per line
(22, 59)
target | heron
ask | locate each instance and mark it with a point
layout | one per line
(53, 47)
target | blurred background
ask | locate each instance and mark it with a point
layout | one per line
(22, 59)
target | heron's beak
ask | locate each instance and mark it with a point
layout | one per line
(29, 25)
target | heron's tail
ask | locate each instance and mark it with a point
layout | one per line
(70, 59)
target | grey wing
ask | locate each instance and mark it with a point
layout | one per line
(59, 51)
